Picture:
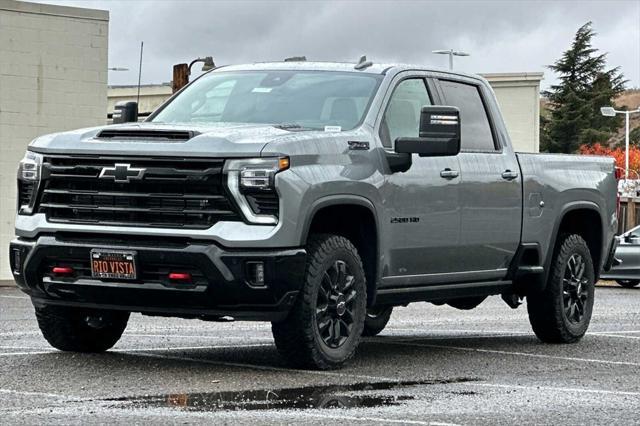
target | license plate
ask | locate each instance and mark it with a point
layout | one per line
(113, 264)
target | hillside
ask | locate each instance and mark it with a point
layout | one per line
(629, 99)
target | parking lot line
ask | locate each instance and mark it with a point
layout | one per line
(27, 353)
(185, 336)
(14, 297)
(554, 389)
(617, 332)
(525, 354)
(442, 336)
(41, 394)
(133, 350)
(616, 335)
(18, 333)
(186, 348)
(375, 419)
(38, 348)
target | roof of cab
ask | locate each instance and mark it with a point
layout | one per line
(375, 68)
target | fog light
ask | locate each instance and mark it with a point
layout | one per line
(16, 260)
(255, 274)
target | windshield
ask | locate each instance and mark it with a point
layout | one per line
(292, 99)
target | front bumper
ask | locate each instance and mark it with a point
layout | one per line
(222, 284)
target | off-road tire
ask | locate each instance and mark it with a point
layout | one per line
(547, 310)
(298, 338)
(376, 320)
(628, 283)
(67, 329)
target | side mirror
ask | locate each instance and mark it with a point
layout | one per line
(125, 112)
(439, 133)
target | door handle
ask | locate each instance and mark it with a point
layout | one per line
(449, 174)
(509, 175)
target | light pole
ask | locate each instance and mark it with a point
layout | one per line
(611, 112)
(181, 72)
(207, 63)
(451, 54)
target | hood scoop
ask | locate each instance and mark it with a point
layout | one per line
(146, 135)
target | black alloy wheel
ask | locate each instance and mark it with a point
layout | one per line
(561, 313)
(334, 311)
(325, 325)
(575, 291)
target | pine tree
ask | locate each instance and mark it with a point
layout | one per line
(584, 86)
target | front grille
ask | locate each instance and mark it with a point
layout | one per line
(183, 193)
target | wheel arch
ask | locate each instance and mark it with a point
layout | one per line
(582, 218)
(355, 218)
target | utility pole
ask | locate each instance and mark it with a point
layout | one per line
(180, 77)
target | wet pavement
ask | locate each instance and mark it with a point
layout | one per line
(432, 365)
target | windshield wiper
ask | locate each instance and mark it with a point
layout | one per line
(291, 127)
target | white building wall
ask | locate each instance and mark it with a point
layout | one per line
(151, 96)
(518, 95)
(53, 77)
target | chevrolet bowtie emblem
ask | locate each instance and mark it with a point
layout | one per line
(122, 173)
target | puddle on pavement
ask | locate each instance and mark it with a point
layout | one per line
(359, 395)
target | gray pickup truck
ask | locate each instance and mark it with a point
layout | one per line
(316, 196)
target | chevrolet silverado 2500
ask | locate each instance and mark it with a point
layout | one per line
(316, 196)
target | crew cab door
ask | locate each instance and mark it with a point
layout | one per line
(421, 205)
(490, 184)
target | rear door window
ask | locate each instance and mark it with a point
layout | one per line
(476, 129)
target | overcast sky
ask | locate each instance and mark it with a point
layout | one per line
(502, 36)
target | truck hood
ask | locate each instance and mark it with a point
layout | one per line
(218, 140)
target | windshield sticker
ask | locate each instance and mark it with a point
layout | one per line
(261, 89)
(332, 128)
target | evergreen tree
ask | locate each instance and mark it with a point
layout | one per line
(584, 86)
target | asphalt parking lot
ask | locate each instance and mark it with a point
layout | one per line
(432, 365)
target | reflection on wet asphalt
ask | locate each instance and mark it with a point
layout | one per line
(358, 395)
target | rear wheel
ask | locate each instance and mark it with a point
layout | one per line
(324, 327)
(81, 330)
(376, 320)
(562, 312)
(628, 283)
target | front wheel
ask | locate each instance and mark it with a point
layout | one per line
(324, 327)
(562, 312)
(628, 283)
(81, 330)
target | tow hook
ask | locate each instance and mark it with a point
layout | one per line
(512, 299)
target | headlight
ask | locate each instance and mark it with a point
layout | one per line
(254, 176)
(29, 174)
(29, 167)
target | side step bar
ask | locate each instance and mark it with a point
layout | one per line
(399, 296)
